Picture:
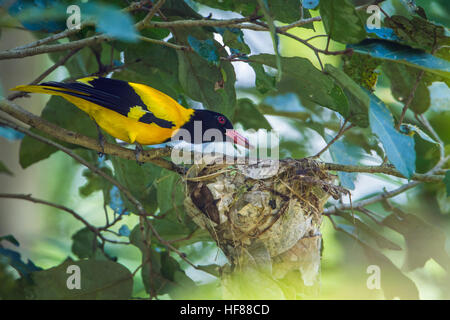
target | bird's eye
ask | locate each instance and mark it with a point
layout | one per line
(221, 119)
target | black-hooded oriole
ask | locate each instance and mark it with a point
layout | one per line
(133, 112)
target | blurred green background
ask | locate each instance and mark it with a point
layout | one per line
(44, 233)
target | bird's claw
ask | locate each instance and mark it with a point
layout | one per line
(137, 153)
(101, 141)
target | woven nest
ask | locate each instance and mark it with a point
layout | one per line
(265, 216)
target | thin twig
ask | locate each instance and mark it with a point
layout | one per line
(410, 99)
(29, 197)
(152, 12)
(380, 197)
(339, 134)
(380, 169)
(165, 43)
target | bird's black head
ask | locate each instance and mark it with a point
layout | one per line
(208, 126)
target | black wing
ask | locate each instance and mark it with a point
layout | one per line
(113, 94)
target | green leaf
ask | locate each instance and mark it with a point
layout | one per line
(301, 77)
(358, 99)
(411, 129)
(310, 4)
(234, 38)
(423, 240)
(393, 281)
(4, 169)
(205, 49)
(399, 148)
(286, 11)
(161, 273)
(63, 114)
(179, 285)
(447, 182)
(263, 81)
(180, 9)
(14, 259)
(243, 7)
(249, 116)
(139, 180)
(85, 61)
(102, 280)
(398, 53)
(274, 35)
(10, 133)
(86, 246)
(364, 229)
(343, 153)
(362, 69)
(111, 21)
(11, 239)
(420, 33)
(341, 21)
(152, 33)
(403, 79)
(171, 192)
(124, 231)
(151, 260)
(95, 183)
(212, 85)
(173, 222)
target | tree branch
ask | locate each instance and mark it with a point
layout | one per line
(153, 156)
(380, 197)
(13, 54)
(28, 197)
(380, 169)
(151, 13)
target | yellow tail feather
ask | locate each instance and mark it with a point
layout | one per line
(45, 89)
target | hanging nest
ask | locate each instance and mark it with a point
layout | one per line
(265, 217)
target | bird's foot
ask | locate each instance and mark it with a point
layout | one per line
(101, 141)
(137, 153)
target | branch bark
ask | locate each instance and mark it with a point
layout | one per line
(154, 156)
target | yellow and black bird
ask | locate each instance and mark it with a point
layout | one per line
(136, 113)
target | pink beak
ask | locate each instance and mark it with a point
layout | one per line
(237, 138)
